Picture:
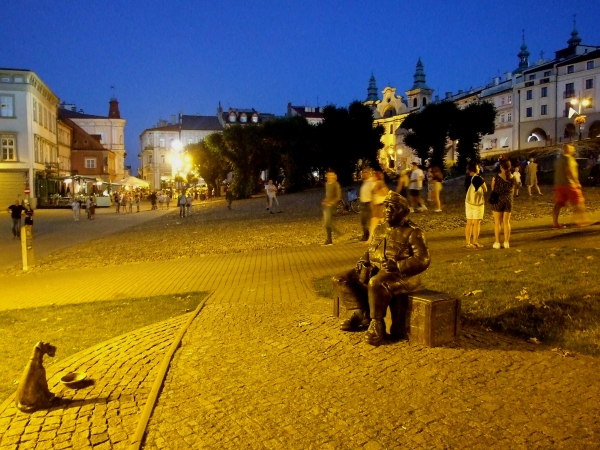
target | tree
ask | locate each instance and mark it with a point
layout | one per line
(208, 162)
(428, 131)
(471, 123)
(346, 136)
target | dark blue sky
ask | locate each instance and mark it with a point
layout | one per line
(187, 55)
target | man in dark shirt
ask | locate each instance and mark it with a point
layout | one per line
(16, 211)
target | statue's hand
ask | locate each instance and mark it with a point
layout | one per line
(389, 265)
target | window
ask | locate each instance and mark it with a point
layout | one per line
(391, 129)
(509, 117)
(544, 110)
(161, 142)
(547, 73)
(570, 69)
(162, 159)
(7, 106)
(254, 118)
(529, 94)
(589, 84)
(150, 158)
(590, 65)
(9, 152)
(504, 142)
(90, 163)
(502, 101)
(569, 90)
(190, 141)
(502, 118)
(35, 110)
(424, 101)
(529, 112)
(415, 103)
(544, 92)
(243, 118)
(232, 117)
(590, 103)
(102, 137)
(509, 99)
(532, 77)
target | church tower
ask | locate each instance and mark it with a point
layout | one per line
(113, 109)
(372, 96)
(419, 95)
(523, 58)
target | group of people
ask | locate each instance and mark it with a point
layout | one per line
(124, 201)
(505, 186)
(411, 182)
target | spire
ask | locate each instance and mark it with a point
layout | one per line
(419, 77)
(575, 39)
(523, 57)
(372, 90)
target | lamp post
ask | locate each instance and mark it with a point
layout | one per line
(580, 118)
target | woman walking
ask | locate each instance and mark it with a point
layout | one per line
(504, 185)
(436, 179)
(531, 176)
(474, 204)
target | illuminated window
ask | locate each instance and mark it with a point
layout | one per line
(90, 163)
(9, 152)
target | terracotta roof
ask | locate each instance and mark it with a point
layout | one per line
(78, 115)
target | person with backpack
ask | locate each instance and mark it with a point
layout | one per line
(474, 204)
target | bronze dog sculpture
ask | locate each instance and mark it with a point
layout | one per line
(33, 392)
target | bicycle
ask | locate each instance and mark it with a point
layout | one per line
(351, 205)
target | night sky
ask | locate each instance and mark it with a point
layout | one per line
(187, 55)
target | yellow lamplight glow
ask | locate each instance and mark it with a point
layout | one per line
(585, 102)
(574, 101)
(176, 145)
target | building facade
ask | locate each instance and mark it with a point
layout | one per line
(160, 143)
(313, 115)
(28, 133)
(108, 130)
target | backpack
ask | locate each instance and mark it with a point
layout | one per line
(474, 197)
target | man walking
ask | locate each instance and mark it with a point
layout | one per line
(567, 188)
(271, 195)
(365, 197)
(182, 202)
(333, 194)
(16, 211)
(414, 189)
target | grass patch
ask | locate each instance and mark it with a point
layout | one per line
(72, 328)
(551, 295)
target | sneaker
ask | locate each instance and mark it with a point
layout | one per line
(496, 246)
(506, 245)
(327, 243)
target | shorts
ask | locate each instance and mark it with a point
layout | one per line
(414, 192)
(474, 212)
(437, 186)
(564, 194)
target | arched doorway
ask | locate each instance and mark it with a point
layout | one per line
(594, 129)
(570, 131)
(536, 135)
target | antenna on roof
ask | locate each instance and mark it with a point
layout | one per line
(112, 91)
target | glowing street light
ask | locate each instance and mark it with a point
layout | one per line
(580, 118)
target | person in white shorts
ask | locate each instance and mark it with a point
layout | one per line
(474, 204)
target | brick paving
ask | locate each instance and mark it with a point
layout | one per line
(104, 414)
(264, 365)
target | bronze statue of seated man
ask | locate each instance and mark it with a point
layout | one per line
(391, 266)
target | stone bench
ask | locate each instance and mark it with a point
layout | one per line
(424, 317)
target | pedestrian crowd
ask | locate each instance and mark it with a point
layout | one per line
(505, 185)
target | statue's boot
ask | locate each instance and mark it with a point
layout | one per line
(358, 319)
(376, 332)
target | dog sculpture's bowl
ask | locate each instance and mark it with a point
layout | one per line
(73, 379)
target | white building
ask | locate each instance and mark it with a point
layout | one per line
(110, 131)
(28, 133)
(158, 143)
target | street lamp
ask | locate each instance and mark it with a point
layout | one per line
(175, 157)
(580, 118)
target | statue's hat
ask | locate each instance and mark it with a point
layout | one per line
(394, 197)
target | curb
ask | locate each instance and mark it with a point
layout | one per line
(135, 442)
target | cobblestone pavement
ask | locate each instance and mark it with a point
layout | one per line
(104, 414)
(264, 365)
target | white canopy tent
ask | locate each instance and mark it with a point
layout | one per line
(132, 182)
